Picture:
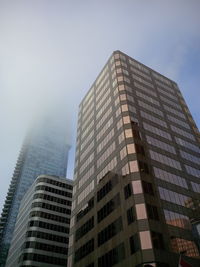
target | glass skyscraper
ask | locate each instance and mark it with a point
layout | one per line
(137, 169)
(44, 151)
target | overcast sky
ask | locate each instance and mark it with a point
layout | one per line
(51, 52)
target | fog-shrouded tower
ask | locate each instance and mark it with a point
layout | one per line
(137, 170)
(44, 151)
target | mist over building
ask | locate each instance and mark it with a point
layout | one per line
(136, 169)
(44, 151)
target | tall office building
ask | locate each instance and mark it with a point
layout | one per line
(44, 151)
(137, 169)
(41, 231)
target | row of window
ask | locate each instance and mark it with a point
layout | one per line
(145, 89)
(46, 247)
(106, 139)
(106, 154)
(50, 207)
(157, 131)
(47, 236)
(136, 77)
(88, 112)
(186, 144)
(150, 108)
(174, 197)
(87, 207)
(104, 129)
(84, 165)
(49, 216)
(108, 208)
(43, 258)
(182, 132)
(110, 166)
(139, 66)
(53, 190)
(195, 187)
(107, 188)
(174, 111)
(84, 229)
(53, 227)
(163, 80)
(147, 77)
(177, 219)
(181, 123)
(104, 118)
(87, 130)
(103, 108)
(112, 257)
(172, 96)
(53, 199)
(165, 160)
(102, 91)
(153, 119)
(87, 139)
(87, 150)
(105, 96)
(169, 177)
(87, 120)
(84, 250)
(171, 103)
(86, 176)
(111, 230)
(193, 171)
(160, 144)
(190, 157)
(147, 98)
(85, 192)
(56, 183)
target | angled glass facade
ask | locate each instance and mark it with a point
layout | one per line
(45, 151)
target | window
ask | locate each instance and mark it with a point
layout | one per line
(84, 250)
(130, 215)
(148, 188)
(145, 240)
(170, 177)
(108, 208)
(141, 211)
(157, 240)
(165, 160)
(112, 257)
(177, 219)
(88, 206)
(134, 243)
(107, 188)
(157, 131)
(174, 197)
(127, 191)
(84, 229)
(160, 144)
(110, 231)
(152, 212)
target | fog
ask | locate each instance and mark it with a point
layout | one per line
(51, 52)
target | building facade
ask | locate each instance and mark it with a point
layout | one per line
(44, 151)
(137, 169)
(41, 231)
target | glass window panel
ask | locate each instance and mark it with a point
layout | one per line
(141, 211)
(134, 166)
(137, 187)
(145, 240)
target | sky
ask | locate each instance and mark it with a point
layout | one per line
(51, 51)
